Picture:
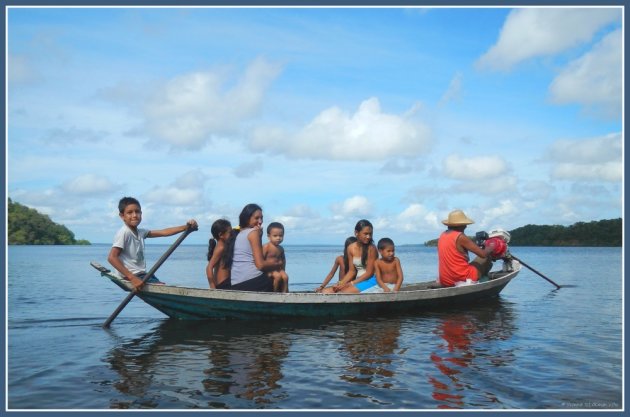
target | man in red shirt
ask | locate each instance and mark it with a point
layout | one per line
(455, 267)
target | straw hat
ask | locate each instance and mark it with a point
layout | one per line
(457, 218)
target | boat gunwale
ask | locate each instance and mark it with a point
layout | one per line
(304, 297)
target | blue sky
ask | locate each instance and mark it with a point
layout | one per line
(323, 116)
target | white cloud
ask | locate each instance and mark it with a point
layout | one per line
(74, 191)
(594, 79)
(484, 175)
(474, 168)
(299, 219)
(297, 224)
(357, 205)
(588, 159)
(304, 223)
(186, 190)
(70, 209)
(41, 200)
(493, 214)
(415, 217)
(412, 212)
(368, 134)
(432, 220)
(588, 151)
(609, 171)
(189, 109)
(534, 32)
(89, 184)
(381, 224)
(504, 209)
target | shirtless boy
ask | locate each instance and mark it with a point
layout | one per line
(273, 250)
(389, 275)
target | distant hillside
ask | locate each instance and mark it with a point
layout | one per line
(595, 233)
(29, 227)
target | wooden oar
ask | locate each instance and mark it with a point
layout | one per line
(149, 275)
(533, 270)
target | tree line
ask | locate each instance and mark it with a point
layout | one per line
(594, 233)
(26, 226)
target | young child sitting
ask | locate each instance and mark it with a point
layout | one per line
(341, 263)
(273, 250)
(216, 272)
(127, 252)
(389, 275)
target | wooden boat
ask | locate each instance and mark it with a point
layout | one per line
(203, 303)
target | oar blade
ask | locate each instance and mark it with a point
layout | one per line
(536, 272)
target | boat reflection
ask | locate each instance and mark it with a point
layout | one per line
(430, 361)
(243, 361)
(464, 351)
(252, 374)
(371, 350)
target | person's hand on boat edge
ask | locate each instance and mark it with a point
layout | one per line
(135, 281)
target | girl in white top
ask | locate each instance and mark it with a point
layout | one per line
(363, 254)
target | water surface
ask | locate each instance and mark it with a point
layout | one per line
(534, 347)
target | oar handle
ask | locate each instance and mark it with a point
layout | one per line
(149, 274)
(533, 270)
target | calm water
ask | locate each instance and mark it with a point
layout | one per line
(533, 348)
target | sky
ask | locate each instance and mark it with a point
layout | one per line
(322, 116)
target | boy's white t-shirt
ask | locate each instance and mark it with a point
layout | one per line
(132, 255)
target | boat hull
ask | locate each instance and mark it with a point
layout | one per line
(198, 303)
(203, 308)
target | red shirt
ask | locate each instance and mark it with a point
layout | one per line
(453, 265)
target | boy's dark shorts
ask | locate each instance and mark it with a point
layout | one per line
(152, 280)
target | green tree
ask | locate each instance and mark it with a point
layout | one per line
(26, 226)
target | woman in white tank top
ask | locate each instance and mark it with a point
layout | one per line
(244, 254)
